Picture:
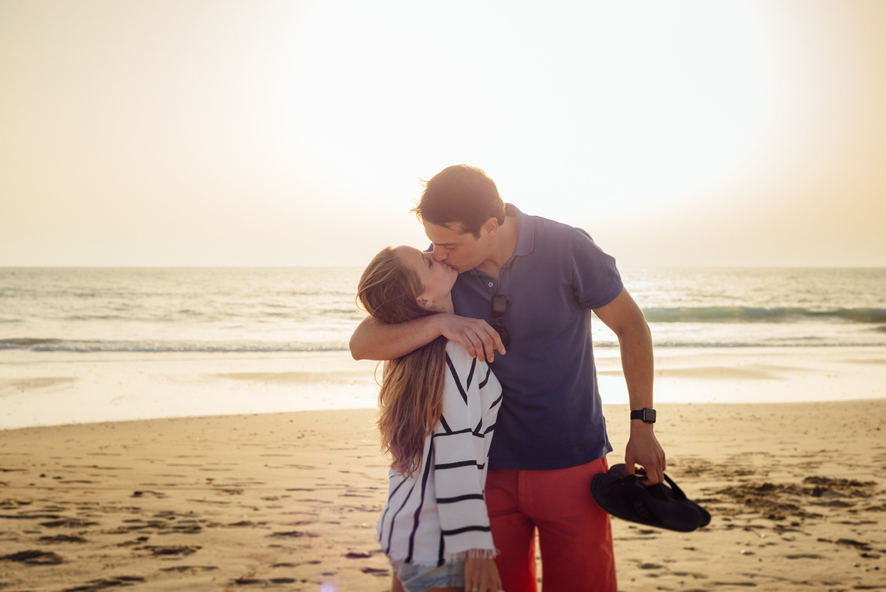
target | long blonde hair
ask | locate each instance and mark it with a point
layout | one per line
(411, 396)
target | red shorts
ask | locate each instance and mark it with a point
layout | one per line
(573, 532)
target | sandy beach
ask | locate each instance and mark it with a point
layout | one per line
(191, 193)
(288, 501)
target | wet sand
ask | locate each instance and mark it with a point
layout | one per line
(53, 388)
(289, 501)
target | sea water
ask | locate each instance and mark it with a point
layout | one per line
(313, 309)
(85, 345)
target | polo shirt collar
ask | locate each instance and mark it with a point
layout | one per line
(525, 235)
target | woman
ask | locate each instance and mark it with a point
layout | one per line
(438, 410)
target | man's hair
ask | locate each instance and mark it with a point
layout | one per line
(460, 194)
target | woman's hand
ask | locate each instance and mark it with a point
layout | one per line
(481, 575)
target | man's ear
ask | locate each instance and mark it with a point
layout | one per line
(491, 227)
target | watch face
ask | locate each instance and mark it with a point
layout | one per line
(646, 414)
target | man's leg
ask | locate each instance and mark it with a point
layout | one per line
(512, 531)
(575, 535)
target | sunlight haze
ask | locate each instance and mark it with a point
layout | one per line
(234, 133)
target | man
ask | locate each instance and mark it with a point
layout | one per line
(525, 288)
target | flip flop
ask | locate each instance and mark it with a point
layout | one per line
(659, 506)
(619, 472)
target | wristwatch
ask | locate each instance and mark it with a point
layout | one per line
(646, 414)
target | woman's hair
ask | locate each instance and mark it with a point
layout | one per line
(411, 396)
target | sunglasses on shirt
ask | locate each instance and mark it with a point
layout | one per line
(499, 308)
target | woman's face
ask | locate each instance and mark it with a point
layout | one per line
(437, 278)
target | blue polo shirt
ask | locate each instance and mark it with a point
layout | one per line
(551, 415)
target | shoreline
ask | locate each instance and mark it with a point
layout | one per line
(58, 388)
(289, 501)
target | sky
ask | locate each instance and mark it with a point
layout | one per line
(271, 133)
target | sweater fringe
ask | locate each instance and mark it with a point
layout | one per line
(453, 557)
(473, 554)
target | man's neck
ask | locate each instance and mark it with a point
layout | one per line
(503, 248)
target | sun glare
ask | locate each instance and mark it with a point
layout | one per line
(279, 112)
(641, 107)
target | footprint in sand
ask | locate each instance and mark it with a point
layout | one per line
(140, 540)
(183, 529)
(171, 550)
(62, 538)
(106, 583)
(294, 534)
(256, 582)
(156, 494)
(34, 557)
(313, 562)
(68, 523)
(246, 524)
(190, 568)
(860, 545)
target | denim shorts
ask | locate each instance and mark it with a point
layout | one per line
(421, 578)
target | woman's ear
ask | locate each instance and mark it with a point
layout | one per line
(424, 302)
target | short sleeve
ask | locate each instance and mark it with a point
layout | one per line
(595, 278)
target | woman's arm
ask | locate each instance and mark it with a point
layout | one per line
(481, 575)
(374, 340)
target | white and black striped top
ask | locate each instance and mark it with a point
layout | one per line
(439, 514)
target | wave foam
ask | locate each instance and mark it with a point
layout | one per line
(85, 346)
(744, 314)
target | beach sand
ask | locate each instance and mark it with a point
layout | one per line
(288, 501)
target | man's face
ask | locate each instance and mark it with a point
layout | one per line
(459, 250)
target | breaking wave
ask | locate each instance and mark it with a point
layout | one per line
(87, 346)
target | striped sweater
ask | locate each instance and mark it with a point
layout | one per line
(439, 514)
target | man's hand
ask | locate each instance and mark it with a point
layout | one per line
(481, 575)
(476, 335)
(643, 449)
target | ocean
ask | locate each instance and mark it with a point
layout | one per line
(276, 310)
(81, 345)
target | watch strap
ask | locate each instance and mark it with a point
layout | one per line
(646, 414)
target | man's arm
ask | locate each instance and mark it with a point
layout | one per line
(374, 340)
(626, 320)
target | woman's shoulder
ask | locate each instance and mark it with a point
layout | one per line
(469, 372)
(461, 359)
(457, 352)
